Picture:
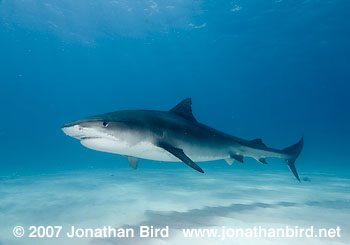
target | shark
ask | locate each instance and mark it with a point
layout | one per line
(171, 136)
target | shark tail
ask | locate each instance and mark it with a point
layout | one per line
(291, 153)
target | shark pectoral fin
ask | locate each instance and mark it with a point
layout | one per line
(133, 161)
(237, 157)
(229, 161)
(180, 155)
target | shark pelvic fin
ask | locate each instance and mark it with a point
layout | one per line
(184, 109)
(237, 157)
(133, 161)
(180, 155)
(262, 160)
(229, 161)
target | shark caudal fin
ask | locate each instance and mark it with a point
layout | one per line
(291, 154)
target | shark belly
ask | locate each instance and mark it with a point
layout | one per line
(143, 149)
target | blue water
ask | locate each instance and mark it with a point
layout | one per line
(275, 70)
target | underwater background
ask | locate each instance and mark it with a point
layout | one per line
(271, 69)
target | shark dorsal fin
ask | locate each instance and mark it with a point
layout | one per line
(258, 142)
(184, 109)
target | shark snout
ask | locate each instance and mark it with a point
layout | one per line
(75, 125)
(72, 129)
(83, 129)
(67, 125)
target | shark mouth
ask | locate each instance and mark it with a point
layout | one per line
(89, 138)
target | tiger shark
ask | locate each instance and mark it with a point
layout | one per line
(173, 136)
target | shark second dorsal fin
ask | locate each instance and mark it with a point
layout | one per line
(184, 109)
(258, 142)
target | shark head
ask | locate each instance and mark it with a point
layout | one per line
(89, 128)
(111, 132)
(101, 133)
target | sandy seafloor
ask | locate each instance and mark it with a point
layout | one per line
(274, 70)
(179, 199)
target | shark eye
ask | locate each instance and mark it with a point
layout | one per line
(105, 124)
